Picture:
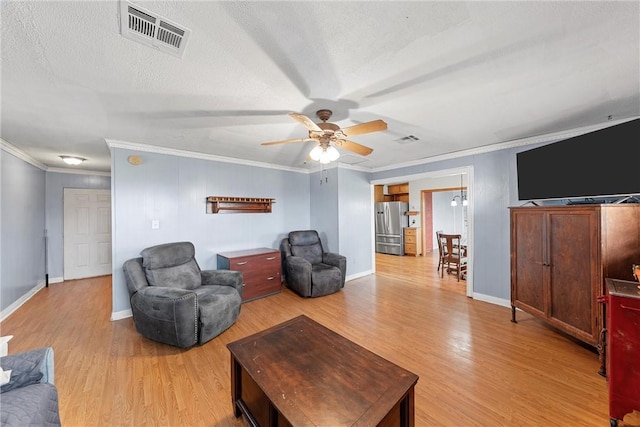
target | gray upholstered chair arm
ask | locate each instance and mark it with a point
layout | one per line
(299, 274)
(336, 260)
(134, 275)
(223, 278)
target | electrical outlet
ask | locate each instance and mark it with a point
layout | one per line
(155, 224)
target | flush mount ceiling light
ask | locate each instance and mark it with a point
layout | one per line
(72, 160)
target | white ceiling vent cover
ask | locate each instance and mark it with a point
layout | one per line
(148, 28)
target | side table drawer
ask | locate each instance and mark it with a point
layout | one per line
(260, 270)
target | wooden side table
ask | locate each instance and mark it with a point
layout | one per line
(260, 268)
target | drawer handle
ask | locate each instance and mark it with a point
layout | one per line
(270, 258)
(629, 308)
(242, 263)
(270, 278)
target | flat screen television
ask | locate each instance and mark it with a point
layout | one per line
(604, 163)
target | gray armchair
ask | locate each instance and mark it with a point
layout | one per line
(308, 269)
(175, 302)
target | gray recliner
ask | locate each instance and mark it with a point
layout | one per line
(308, 269)
(175, 302)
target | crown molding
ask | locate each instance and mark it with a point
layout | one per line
(114, 143)
(550, 137)
(78, 171)
(13, 150)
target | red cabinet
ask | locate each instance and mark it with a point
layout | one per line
(623, 347)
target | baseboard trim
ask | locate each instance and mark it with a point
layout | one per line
(24, 298)
(492, 300)
(119, 315)
(358, 275)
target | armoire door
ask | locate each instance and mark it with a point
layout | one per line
(573, 237)
(528, 261)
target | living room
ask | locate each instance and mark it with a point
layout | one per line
(170, 186)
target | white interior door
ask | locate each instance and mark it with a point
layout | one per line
(87, 233)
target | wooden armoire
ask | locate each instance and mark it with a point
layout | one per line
(560, 257)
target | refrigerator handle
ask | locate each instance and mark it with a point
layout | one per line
(387, 218)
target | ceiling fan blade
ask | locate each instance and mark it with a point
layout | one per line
(368, 127)
(306, 121)
(353, 146)
(288, 141)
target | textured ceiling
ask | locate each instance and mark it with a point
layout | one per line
(456, 75)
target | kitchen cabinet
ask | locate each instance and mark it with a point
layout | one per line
(399, 192)
(394, 193)
(560, 257)
(413, 241)
(399, 188)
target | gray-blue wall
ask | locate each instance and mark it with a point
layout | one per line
(494, 190)
(324, 214)
(355, 220)
(55, 184)
(173, 190)
(22, 223)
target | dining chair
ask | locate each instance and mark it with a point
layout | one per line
(441, 250)
(454, 257)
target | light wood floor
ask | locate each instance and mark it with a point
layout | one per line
(476, 368)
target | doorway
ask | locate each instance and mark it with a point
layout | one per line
(439, 213)
(467, 171)
(86, 233)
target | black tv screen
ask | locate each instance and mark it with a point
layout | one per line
(603, 163)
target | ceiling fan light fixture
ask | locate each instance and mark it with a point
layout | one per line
(324, 155)
(72, 160)
(333, 153)
(316, 153)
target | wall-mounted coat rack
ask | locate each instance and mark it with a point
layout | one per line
(222, 204)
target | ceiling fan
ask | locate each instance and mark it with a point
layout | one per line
(329, 136)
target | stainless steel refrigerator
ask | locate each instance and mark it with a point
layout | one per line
(390, 222)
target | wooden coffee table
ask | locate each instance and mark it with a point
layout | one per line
(299, 373)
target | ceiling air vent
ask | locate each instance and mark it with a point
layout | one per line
(351, 160)
(407, 139)
(148, 28)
